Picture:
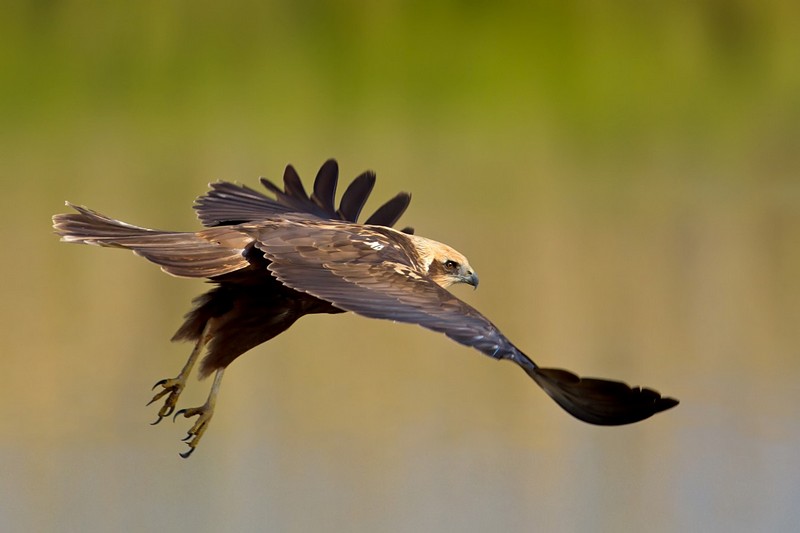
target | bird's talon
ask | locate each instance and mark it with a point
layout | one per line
(172, 389)
(187, 453)
(176, 415)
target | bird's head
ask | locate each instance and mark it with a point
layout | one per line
(443, 264)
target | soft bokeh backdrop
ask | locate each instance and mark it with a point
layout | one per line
(625, 177)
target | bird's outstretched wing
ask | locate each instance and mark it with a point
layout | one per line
(369, 272)
(229, 203)
(365, 270)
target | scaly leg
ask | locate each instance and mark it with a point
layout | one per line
(174, 386)
(204, 414)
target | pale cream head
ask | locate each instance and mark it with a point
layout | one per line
(444, 264)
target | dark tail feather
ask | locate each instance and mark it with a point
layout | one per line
(390, 212)
(355, 196)
(293, 185)
(599, 401)
(325, 186)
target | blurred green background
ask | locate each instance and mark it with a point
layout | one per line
(624, 176)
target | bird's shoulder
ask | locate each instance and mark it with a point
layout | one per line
(294, 236)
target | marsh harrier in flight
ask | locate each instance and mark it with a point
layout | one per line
(274, 260)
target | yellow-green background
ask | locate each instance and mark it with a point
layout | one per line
(624, 176)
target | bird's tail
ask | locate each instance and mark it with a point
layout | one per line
(90, 227)
(208, 253)
(596, 401)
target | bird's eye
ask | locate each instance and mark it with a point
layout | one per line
(450, 265)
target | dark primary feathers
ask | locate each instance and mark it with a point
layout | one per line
(228, 203)
(277, 259)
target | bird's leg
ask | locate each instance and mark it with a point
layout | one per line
(174, 386)
(203, 414)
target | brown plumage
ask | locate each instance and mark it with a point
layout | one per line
(276, 260)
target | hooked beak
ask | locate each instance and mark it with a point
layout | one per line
(472, 279)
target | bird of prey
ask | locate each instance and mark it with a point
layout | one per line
(274, 260)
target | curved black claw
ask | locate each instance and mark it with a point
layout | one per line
(158, 383)
(182, 411)
(187, 453)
